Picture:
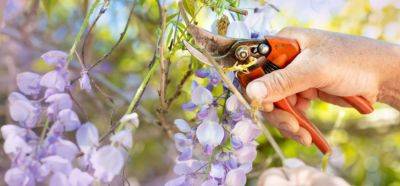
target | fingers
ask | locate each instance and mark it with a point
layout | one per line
(302, 136)
(283, 120)
(287, 123)
(337, 100)
(288, 126)
(302, 104)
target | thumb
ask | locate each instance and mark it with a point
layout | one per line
(282, 83)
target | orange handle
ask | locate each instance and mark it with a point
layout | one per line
(316, 135)
(359, 103)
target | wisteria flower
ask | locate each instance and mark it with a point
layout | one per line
(238, 29)
(65, 149)
(68, 119)
(107, 162)
(79, 178)
(58, 179)
(23, 111)
(58, 102)
(16, 145)
(246, 130)
(123, 138)
(201, 96)
(28, 83)
(131, 118)
(210, 134)
(57, 164)
(182, 125)
(55, 57)
(235, 177)
(85, 81)
(19, 176)
(87, 137)
(54, 80)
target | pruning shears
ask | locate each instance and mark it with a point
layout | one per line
(259, 57)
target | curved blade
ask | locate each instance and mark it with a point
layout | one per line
(224, 61)
(196, 53)
(215, 44)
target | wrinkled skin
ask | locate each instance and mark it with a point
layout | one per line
(329, 65)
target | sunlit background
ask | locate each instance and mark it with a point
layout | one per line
(367, 148)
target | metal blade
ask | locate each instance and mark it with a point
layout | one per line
(215, 44)
(196, 53)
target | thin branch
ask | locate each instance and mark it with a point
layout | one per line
(80, 33)
(237, 10)
(178, 90)
(164, 69)
(121, 37)
(135, 101)
(102, 10)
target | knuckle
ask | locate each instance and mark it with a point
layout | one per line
(287, 31)
(280, 82)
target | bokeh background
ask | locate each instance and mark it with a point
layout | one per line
(367, 148)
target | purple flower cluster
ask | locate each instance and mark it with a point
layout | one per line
(218, 149)
(52, 158)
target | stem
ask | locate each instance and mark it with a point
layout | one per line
(121, 37)
(43, 133)
(164, 69)
(138, 93)
(237, 10)
(102, 10)
(80, 33)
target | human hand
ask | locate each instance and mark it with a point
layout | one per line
(330, 66)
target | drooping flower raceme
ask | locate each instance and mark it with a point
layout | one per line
(217, 149)
(52, 158)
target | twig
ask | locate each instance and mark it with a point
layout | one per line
(135, 101)
(175, 31)
(178, 90)
(101, 12)
(164, 68)
(121, 37)
(237, 10)
(80, 33)
(43, 132)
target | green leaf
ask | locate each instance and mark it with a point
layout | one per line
(49, 5)
(170, 17)
(190, 6)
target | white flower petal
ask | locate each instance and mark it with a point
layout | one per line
(246, 131)
(210, 133)
(238, 29)
(235, 177)
(87, 137)
(123, 137)
(107, 162)
(182, 125)
(201, 96)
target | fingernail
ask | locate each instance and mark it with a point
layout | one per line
(256, 90)
(268, 107)
(285, 126)
(301, 140)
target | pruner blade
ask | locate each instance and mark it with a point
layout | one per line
(196, 53)
(222, 49)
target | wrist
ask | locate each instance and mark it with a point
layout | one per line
(389, 91)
